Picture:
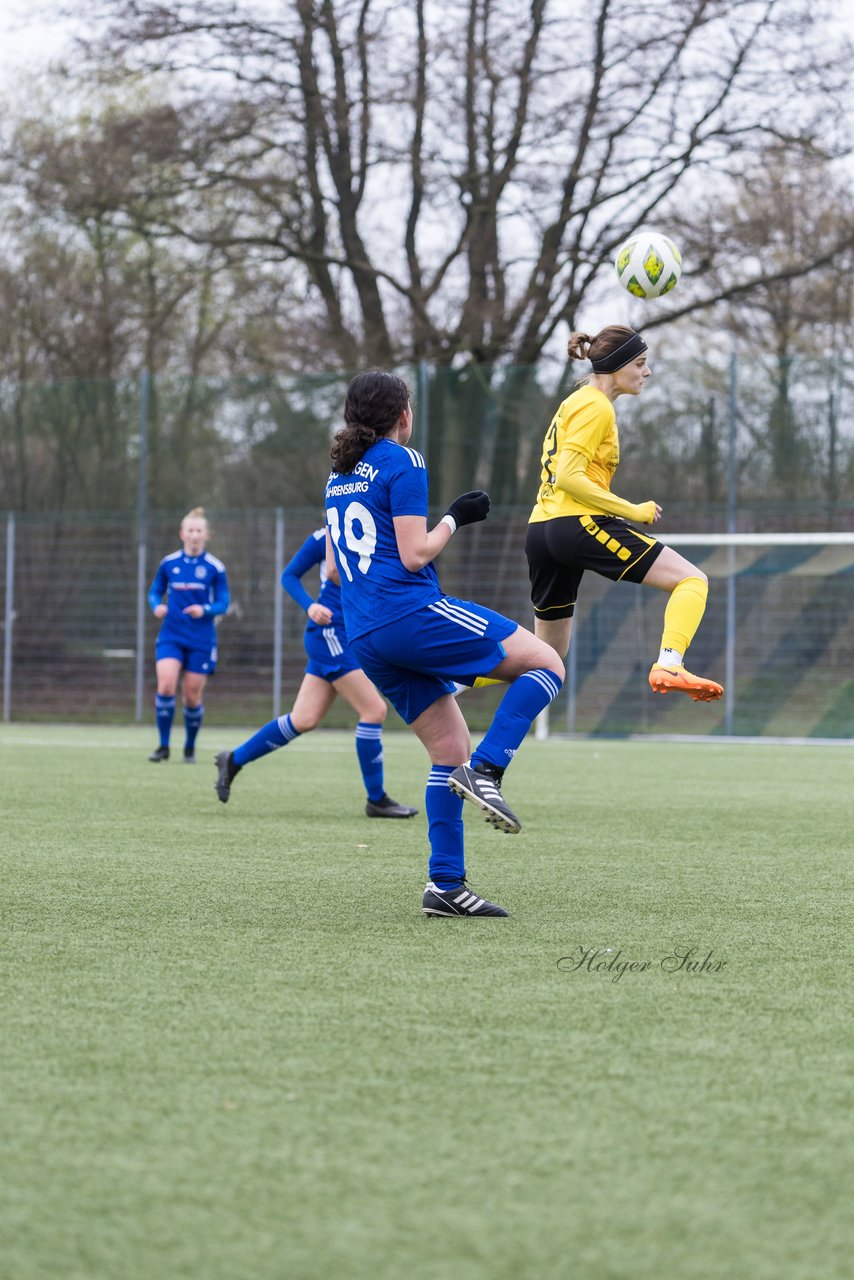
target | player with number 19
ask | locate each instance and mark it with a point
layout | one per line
(413, 641)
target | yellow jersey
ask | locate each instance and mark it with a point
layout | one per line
(585, 423)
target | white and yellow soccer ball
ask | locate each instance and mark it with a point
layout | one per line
(648, 264)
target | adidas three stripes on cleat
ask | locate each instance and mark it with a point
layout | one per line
(457, 902)
(481, 784)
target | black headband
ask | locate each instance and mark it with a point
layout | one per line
(622, 355)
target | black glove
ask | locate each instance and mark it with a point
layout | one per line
(468, 508)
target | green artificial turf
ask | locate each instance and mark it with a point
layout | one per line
(232, 1046)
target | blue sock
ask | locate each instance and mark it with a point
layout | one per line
(164, 710)
(444, 810)
(192, 724)
(369, 749)
(278, 733)
(527, 696)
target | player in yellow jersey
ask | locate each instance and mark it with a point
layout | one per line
(578, 523)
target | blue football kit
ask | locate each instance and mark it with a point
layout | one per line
(329, 654)
(390, 480)
(187, 580)
(413, 641)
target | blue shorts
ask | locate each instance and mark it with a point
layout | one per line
(200, 661)
(329, 654)
(418, 659)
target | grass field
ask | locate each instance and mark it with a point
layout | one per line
(233, 1047)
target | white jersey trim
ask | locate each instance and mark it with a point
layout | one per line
(333, 644)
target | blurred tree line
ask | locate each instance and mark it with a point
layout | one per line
(252, 203)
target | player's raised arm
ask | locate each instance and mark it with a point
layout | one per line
(418, 546)
(571, 476)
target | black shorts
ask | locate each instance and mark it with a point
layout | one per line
(560, 550)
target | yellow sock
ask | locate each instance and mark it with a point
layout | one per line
(684, 613)
(482, 681)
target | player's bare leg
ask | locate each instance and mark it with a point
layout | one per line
(557, 633)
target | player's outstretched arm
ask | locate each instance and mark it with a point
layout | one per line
(571, 476)
(418, 546)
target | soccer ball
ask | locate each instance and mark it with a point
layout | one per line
(648, 264)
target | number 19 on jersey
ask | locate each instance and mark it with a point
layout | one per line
(363, 545)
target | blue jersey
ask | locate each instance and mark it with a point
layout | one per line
(311, 553)
(186, 580)
(376, 587)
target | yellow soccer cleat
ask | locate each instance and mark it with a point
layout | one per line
(667, 679)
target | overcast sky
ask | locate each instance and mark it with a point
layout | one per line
(26, 42)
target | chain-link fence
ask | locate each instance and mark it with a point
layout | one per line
(768, 442)
(735, 446)
(779, 629)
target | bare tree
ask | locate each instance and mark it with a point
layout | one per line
(452, 180)
(326, 183)
(792, 332)
(91, 297)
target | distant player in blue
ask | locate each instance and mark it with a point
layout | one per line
(415, 642)
(196, 590)
(332, 669)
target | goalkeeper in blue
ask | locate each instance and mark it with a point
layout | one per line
(196, 589)
(332, 670)
(416, 643)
